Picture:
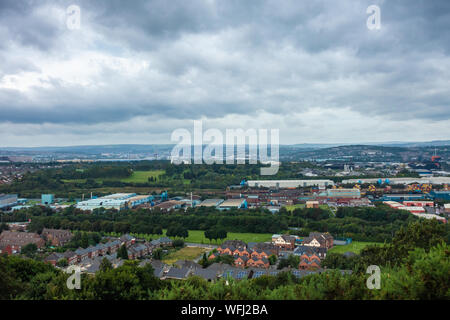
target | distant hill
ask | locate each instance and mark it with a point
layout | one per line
(388, 151)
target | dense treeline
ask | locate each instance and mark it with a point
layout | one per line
(376, 224)
(420, 271)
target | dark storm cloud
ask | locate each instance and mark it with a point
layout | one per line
(215, 58)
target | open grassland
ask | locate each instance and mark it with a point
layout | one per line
(355, 246)
(186, 253)
(143, 176)
(302, 206)
(198, 236)
(136, 177)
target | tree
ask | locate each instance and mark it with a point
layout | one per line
(178, 243)
(122, 252)
(421, 234)
(177, 230)
(272, 259)
(157, 254)
(221, 234)
(29, 249)
(157, 230)
(204, 261)
(62, 263)
(105, 265)
(215, 233)
(3, 227)
(84, 240)
(210, 234)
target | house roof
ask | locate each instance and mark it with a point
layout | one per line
(218, 267)
(208, 273)
(236, 273)
(178, 273)
(188, 264)
(158, 272)
(309, 250)
(54, 256)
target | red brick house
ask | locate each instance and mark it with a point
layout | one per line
(284, 242)
(225, 250)
(258, 263)
(260, 254)
(311, 261)
(241, 252)
(58, 237)
(317, 239)
(12, 242)
(241, 262)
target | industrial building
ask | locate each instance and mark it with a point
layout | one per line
(7, 200)
(169, 205)
(116, 201)
(418, 203)
(418, 211)
(137, 200)
(344, 193)
(403, 197)
(289, 183)
(447, 208)
(404, 181)
(440, 195)
(211, 203)
(239, 203)
(47, 199)
(312, 204)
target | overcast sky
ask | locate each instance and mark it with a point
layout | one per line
(136, 70)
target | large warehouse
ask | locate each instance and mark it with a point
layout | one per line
(7, 200)
(116, 201)
(404, 181)
(289, 183)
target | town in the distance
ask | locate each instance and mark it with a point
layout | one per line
(219, 221)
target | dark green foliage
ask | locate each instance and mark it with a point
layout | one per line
(105, 265)
(29, 249)
(122, 252)
(291, 261)
(177, 230)
(178, 243)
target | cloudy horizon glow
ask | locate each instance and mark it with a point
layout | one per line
(136, 71)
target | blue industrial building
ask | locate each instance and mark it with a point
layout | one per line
(47, 199)
(404, 197)
(440, 195)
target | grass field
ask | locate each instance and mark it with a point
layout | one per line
(198, 236)
(136, 177)
(186, 253)
(142, 176)
(294, 206)
(355, 246)
(301, 206)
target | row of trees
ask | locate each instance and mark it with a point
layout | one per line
(215, 233)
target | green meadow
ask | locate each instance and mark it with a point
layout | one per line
(198, 236)
(355, 247)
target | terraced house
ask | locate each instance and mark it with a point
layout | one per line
(57, 237)
(309, 261)
(317, 239)
(12, 242)
(245, 257)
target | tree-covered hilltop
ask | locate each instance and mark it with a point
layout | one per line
(415, 266)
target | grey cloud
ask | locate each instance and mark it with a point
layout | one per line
(215, 58)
